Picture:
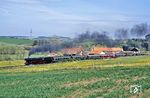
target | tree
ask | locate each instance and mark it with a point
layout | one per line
(35, 43)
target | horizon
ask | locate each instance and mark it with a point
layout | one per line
(70, 17)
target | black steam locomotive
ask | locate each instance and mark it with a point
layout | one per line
(46, 60)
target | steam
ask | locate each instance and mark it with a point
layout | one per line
(137, 31)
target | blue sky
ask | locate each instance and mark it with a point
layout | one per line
(70, 17)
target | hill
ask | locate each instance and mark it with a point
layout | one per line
(60, 38)
(15, 41)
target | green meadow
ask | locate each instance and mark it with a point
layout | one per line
(15, 41)
(108, 78)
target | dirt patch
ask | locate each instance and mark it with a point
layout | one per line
(127, 87)
(134, 97)
(83, 83)
(121, 81)
(85, 92)
(75, 94)
(90, 92)
(139, 78)
(82, 93)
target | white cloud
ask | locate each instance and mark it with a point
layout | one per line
(34, 13)
(36, 7)
(22, 1)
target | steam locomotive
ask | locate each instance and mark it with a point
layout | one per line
(47, 60)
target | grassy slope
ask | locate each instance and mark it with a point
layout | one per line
(89, 82)
(15, 41)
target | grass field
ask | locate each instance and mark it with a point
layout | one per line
(15, 41)
(109, 78)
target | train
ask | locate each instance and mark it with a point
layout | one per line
(47, 60)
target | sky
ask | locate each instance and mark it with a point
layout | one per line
(69, 17)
